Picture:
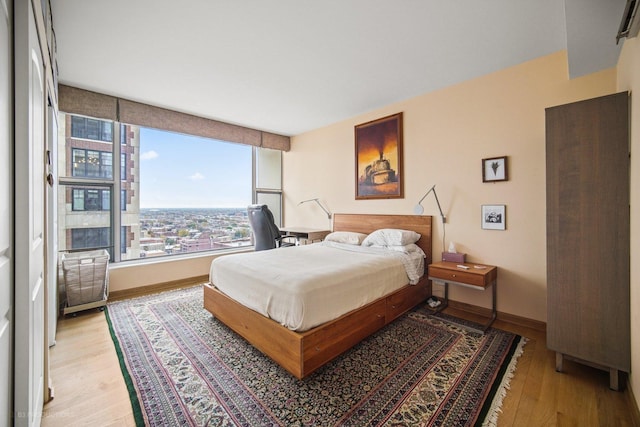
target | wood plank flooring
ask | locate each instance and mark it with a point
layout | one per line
(89, 389)
(88, 385)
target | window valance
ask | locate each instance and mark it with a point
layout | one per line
(79, 101)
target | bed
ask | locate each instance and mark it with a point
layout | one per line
(301, 352)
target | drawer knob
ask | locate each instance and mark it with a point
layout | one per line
(453, 275)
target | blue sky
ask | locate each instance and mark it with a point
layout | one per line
(190, 172)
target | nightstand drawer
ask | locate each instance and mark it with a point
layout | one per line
(457, 276)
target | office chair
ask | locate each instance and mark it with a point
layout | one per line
(266, 234)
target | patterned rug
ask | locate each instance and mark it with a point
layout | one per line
(183, 367)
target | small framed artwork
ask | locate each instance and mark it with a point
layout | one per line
(494, 169)
(378, 169)
(494, 217)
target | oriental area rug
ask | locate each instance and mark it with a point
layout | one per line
(184, 367)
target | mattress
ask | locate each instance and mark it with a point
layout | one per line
(301, 287)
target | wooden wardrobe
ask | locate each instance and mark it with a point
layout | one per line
(588, 284)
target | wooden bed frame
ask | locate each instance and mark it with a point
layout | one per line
(301, 353)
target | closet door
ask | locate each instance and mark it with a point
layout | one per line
(588, 315)
(29, 176)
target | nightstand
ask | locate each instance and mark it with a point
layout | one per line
(475, 276)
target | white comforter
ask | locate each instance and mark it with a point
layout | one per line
(304, 286)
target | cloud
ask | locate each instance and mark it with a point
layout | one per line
(148, 155)
(196, 177)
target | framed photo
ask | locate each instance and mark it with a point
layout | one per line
(379, 158)
(494, 169)
(494, 217)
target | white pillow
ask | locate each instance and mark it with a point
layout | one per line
(407, 249)
(348, 237)
(391, 237)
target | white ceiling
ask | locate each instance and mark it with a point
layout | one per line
(290, 66)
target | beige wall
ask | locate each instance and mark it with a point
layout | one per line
(446, 135)
(131, 275)
(629, 79)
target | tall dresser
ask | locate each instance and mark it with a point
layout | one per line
(587, 159)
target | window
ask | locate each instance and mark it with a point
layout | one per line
(88, 199)
(123, 134)
(193, 195)
(92, 163)
(123, 239)
(86, 190)
(269, 181)
(86, 128)
(91, 238)
(177, 193)
(123, 167)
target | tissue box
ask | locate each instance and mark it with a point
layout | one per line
(453, 257)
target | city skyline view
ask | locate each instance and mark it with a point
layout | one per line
(183, 171)
(172, 231)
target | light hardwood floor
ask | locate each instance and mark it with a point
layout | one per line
(89, 389)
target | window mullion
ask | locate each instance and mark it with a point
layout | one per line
(116, 211)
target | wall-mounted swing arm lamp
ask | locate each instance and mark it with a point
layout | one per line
(418, 209)
(319, 204)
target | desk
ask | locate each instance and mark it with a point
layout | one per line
(472, 277)
(304, 233)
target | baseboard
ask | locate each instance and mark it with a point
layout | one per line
(505, 317)
(158, 287)
(633, 404)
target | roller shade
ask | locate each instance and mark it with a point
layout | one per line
(80, 101)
